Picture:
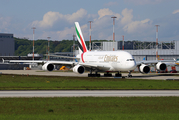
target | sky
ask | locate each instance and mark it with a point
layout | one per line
(136, 19)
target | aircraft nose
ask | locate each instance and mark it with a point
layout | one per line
(132, 65)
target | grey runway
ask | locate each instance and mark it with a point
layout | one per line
(91, 93)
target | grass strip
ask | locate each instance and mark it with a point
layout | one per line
(20, 82)
(93, 108)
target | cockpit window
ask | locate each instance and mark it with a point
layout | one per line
(130, 59)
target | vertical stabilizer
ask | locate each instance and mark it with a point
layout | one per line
(81, 43)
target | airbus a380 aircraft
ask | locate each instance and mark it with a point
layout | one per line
(101, 61)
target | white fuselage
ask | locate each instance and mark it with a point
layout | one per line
(114, 60)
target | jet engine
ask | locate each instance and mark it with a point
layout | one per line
(48, 66)
(161, 66)
(78, 69)
(144, 68)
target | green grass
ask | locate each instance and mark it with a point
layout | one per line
(19, 82)
(90, 108)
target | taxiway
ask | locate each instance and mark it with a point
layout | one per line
(150, 76)
(91, 93)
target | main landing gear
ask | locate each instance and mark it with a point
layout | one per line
(107, 74)
(110, 75)
(118, 75)
(93, 75)
(129, 75)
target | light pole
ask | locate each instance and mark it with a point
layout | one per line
(113, 30)
(156, 42)
(33, 41)
(48, 48)
(90, 35)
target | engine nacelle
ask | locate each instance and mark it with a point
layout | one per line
(78, 69)
(48, 66)
(161, 66)
(144, 68)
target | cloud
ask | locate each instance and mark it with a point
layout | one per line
(144, 2)
(138, 26)
(60, 26)
(51, 19)
(133, 27)
(58, 35)
(107, 12)
(48, 19)
(176, 11)
(127, 16)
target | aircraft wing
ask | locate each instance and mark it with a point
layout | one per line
(63, 56)
(154, 62)
(63, 62)
(27, 61)
(172, 63)
(44, 61)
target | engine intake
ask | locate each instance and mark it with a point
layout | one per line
(48, 66)
(78, 69)
(144, 69)
(161, 66)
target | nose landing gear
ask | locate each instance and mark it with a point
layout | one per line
(129, 75)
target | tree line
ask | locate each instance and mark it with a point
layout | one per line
(25, 46)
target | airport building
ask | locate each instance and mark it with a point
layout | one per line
(166, 50)
(7, 45)
(7, 52)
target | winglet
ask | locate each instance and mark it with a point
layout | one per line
(79, 35)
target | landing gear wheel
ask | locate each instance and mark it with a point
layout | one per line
(94, 75)
(129, 75)
(118, 75)
(97, 75)
(107, 75)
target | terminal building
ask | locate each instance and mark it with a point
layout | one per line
(166, 50)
